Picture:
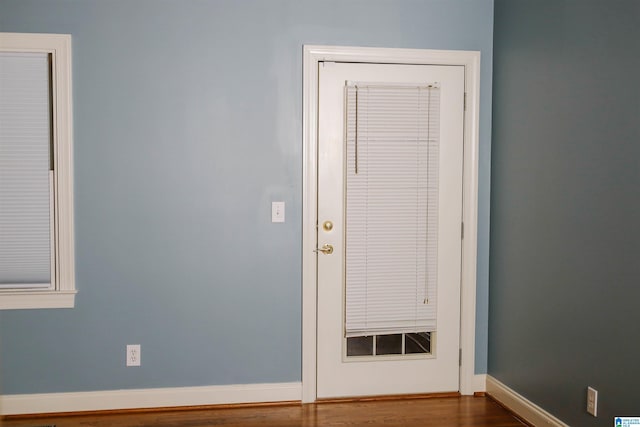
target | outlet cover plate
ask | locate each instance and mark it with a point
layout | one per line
(277, 211)
(592, 401)
(133, 355)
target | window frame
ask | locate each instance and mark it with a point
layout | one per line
(63, 291)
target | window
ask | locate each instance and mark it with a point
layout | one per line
(36, 187)
(392, 172)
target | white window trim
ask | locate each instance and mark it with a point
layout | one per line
(63, 293)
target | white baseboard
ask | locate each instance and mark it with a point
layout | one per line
(148, 398)
(524, 408)
(479, 383)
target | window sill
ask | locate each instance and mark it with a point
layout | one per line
(19, 300)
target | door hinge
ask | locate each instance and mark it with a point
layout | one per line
(459, 357)
(462, 230)
(464, 102)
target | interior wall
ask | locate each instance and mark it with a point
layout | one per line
(565, 238)
(188, 123)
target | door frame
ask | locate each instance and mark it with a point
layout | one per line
(312, 56)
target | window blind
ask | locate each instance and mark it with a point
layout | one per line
(25, 187)
(392, 140)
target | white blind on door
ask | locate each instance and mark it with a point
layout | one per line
(392, 134)
(25, 136)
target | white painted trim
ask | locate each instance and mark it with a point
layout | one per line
(520, 405)
(148, 398)
(471, 61)
(480, 383)
(309, 222)
(63, 294)
(15, 300)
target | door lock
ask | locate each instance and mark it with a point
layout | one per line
(325, 249)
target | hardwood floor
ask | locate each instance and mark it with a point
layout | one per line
(465, 411)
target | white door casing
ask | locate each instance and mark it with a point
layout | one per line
(313, 55)
(341, 376)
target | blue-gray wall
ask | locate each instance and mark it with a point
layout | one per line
(188, 123)
(565, 205)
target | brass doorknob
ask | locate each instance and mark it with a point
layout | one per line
(325, 249)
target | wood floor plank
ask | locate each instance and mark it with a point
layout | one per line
(465, 411)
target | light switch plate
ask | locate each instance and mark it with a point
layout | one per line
(277, 211)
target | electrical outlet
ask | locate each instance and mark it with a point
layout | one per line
(133, 355)
(592, 401)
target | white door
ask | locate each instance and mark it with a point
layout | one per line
(424, 358)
